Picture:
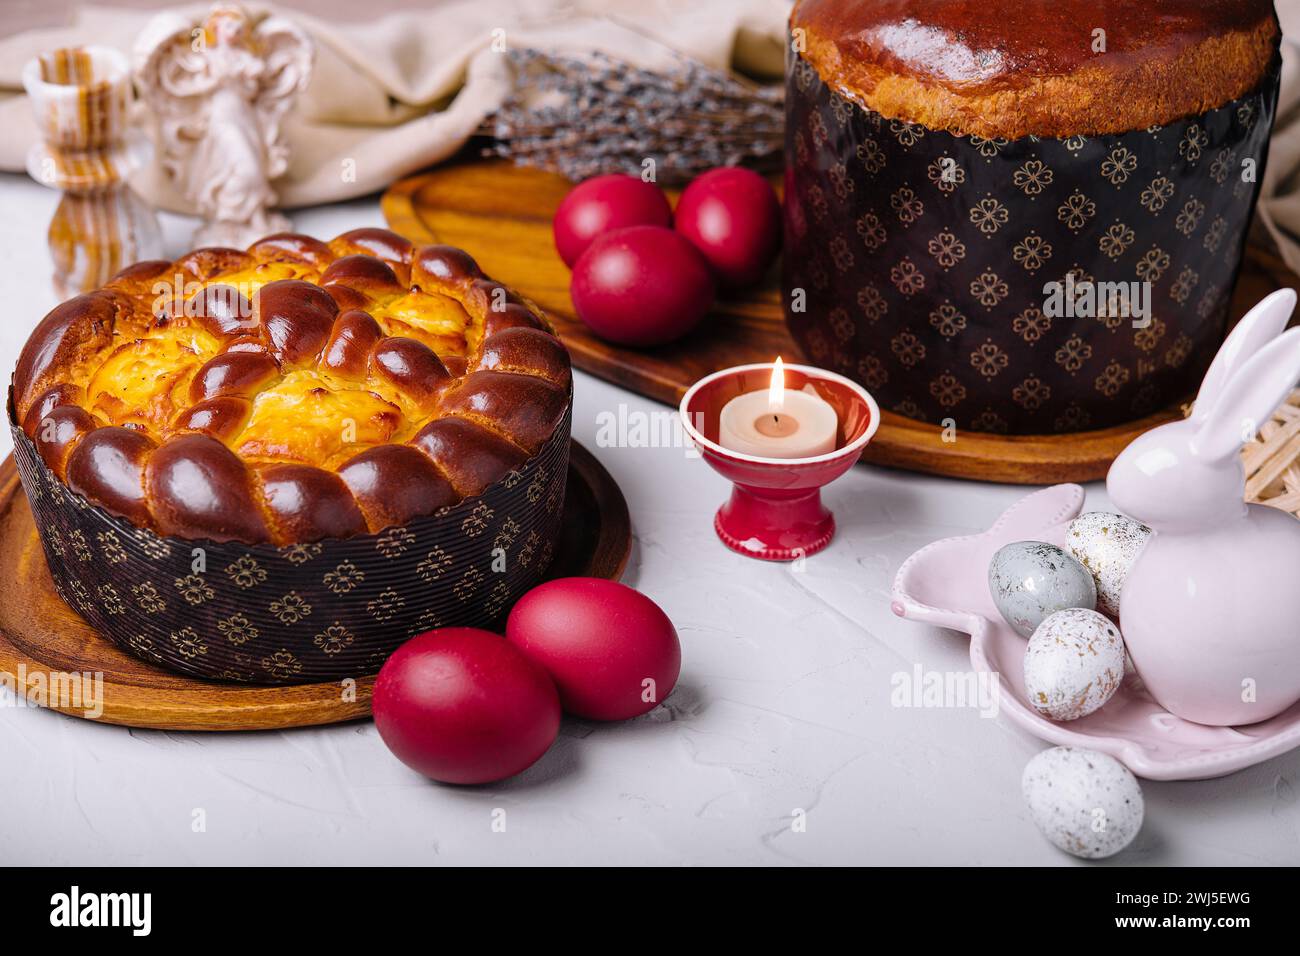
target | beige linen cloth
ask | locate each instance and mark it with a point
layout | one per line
(1279, 202)
(405, 91)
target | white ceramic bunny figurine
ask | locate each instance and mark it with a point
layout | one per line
(1210, 610)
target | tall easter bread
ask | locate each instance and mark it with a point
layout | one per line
(1017, 217)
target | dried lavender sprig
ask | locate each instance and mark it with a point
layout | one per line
(582, 116)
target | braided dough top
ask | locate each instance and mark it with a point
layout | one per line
(296, 391)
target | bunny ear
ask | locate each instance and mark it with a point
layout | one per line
(1256, 329)
(1251, 394)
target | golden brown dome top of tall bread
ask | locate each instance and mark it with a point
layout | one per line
(294, 391)
(1012, 68)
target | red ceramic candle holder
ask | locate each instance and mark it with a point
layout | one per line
(775, 511)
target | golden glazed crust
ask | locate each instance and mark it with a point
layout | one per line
(296, 391)
(1013, 68)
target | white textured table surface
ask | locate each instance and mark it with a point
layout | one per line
(783, 705)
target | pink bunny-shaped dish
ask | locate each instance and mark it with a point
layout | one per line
(945, 584)
(1210, 610)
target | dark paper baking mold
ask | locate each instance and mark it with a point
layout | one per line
(306, 612)
(929, 291)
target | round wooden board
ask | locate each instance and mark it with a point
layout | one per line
(40, 635)
(501, 214)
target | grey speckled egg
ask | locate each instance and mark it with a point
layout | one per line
(1085, 802)
(1107, 545)
(1031, 579)
(1073, 664)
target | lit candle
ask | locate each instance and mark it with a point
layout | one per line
(778, 422)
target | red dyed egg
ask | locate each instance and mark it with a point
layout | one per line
(611, 651)
(644, 285)
(601, 205)
(732, 216)
(462, 705)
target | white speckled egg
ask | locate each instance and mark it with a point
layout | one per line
(1085, 802)
(1073, 663)
(1031, 579)
(1107, 545)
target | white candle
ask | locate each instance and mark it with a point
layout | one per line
(778, 422)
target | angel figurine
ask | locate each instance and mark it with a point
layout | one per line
(219, 92)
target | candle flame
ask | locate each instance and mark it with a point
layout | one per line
(776, 392)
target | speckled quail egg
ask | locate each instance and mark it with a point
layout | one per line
(1106, 544)
(1085, 802)
(1031, 579)
(1074, 663)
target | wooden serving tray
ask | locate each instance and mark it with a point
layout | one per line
(501, 214)
(40, 635)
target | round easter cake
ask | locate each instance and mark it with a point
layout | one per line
(276, 464)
